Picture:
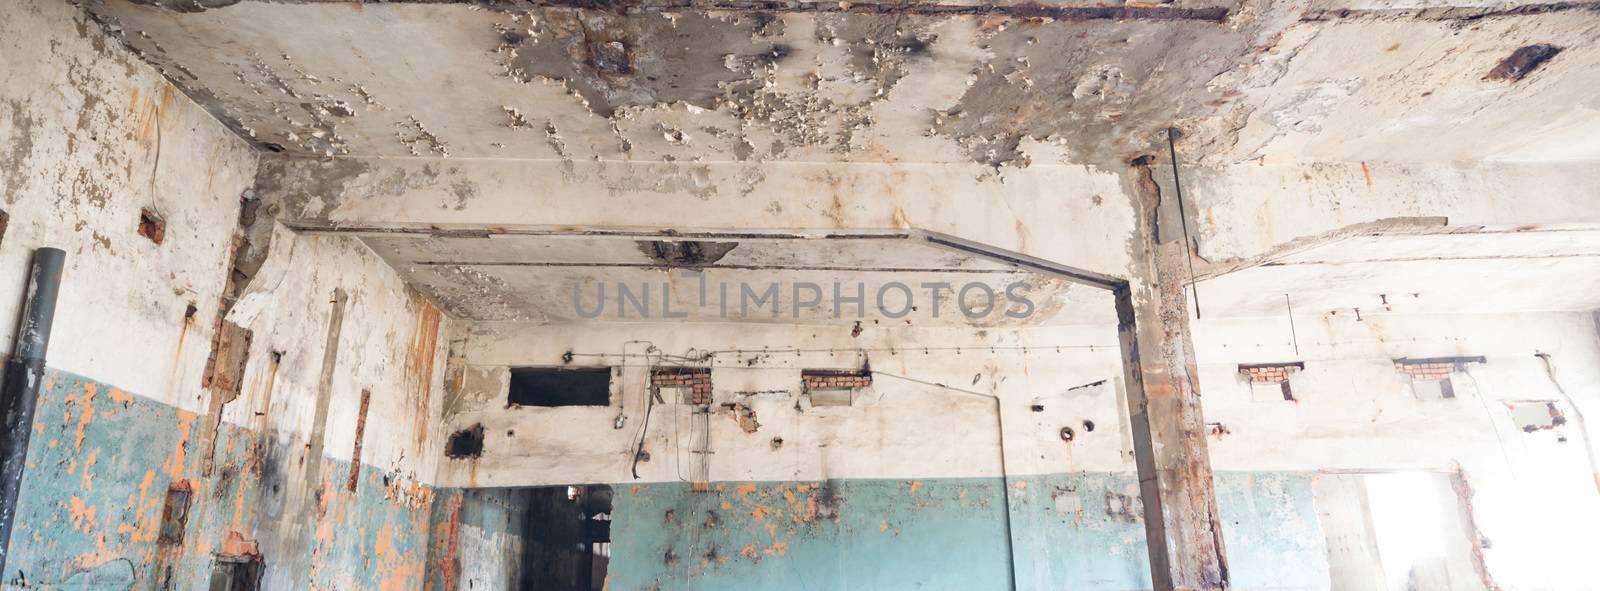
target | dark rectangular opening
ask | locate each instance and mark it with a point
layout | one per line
(560, 386)
(174, 514)
(466, 443)
(236, 573)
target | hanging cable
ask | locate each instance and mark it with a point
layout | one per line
(1292, 334)
(1577, 413)
(1183, 217)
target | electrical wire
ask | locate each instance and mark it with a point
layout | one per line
(1000, 437)
(155, 169)
(1577, 414)
(1494, 427)
(1183, 218)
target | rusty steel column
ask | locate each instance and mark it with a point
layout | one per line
(1182, 529)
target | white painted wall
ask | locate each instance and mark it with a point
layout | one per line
(1353, 412)
(927, 414)
(388, 345)
(1536, 499)
(89, 135)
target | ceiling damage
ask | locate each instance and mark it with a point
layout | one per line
(1006, 85)
(983, 89)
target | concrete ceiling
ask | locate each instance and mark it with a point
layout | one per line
(996, 85)
(1480, 271)
(999, 85)
(534, 277)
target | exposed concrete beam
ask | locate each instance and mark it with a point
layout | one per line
(1182, 527)
(1020, 10)
(1387, 227)
(1447, 13)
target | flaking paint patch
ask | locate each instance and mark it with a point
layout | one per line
(679, 57)
(17, 148)
(101, 504)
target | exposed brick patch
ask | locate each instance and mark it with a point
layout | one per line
(235, 544)
(1264, 373)
(1432, 369)
(830, 379)
(697, 379)
(746, 417)
(152, 225)
(1425, 371)
(1264, 376)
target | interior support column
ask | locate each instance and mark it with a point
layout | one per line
(1182, 529)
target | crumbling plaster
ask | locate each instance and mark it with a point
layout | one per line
(86, 167)
(88, 143)
(1058, 208)
(1005, 86)
(93, 136)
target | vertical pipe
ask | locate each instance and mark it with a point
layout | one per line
(20, 391)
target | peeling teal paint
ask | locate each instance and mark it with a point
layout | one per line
(1070, 531)
(90, 507)
(864, 534)
(1079, 531)
(98, 472)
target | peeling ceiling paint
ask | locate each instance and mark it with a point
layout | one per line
(1002, 86)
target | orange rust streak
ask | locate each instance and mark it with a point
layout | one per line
(175, 464)
(424, 348)
(87, 414)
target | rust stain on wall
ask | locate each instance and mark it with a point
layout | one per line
(419, 364)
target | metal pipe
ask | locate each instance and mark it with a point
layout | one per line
(19, 393)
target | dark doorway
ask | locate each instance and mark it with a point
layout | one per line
(567, 543)
(235, 573)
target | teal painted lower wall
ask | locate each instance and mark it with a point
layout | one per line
(855, 534)
(1068, 531)
(101, 461)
